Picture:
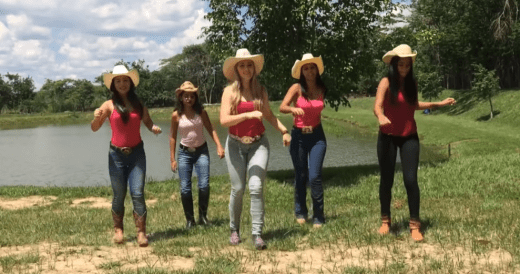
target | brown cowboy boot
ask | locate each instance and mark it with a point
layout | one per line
(415, 230)
(140, 224)
(118, 227)
(386, 223)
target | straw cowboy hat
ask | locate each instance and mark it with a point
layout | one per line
(120, 70)
(186, 87)
(306, 59)
(242, 54)
(401, 51)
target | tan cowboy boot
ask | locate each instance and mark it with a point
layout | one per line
(118, 228)
(415, 230)
(386, 223)
(140, 224)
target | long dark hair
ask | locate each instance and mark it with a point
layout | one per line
(410, 85)
(120, 105)
(319, 83)
(179, 106)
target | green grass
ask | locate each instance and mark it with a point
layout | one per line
(468, 201)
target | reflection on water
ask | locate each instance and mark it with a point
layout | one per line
(76, 156)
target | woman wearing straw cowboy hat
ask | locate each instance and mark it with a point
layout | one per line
(189, 118)
(395, 105)
(244, 105)
(126, 157)
(308, 144)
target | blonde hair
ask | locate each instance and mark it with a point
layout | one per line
(257, 91)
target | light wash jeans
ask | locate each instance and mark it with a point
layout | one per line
(247, 163)
(127, 170)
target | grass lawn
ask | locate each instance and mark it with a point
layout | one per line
(469, 208)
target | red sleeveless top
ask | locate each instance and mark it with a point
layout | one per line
(249, 127)
(312, 109)
(125, 135)
(401, 115)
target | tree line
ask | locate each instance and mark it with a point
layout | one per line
(460, 44)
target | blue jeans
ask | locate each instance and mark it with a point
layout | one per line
(127, 170)
(307, 153)
(186, 161)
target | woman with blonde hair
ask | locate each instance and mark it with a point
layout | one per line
(244, 104)
(395, 105)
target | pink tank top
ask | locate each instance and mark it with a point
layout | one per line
(401, 115)
(125, 135)
(250, 127)
(191, 131)
(312, 109)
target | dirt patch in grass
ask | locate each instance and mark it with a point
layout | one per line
(20, 203)
(407, 256)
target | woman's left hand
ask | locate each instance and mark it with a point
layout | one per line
(448, 101)
(156, 129)
(220, 152)
(286, 139)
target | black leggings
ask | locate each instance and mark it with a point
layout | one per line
(387, 153)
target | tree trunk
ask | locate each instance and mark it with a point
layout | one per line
(491, 106)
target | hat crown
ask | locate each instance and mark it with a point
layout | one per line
(307, 56)
(187, 85)
(403, 49)
(119, 69)
(243, 53)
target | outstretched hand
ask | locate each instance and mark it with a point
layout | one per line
(448, 102)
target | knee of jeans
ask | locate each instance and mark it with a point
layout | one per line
(238, 189)
(255, 187)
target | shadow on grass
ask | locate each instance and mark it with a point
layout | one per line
(282, 233)
(332, 176)
(488, 117)
(402, 226)
(176, 232)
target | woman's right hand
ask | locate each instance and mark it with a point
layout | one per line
(255, 115)
(297, 111)
(98, 113)
(383, 120)
(174, 166)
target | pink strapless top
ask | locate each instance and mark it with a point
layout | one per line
(312, 109)
(250, 127)
(125, 135)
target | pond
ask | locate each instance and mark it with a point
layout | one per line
(76, 156)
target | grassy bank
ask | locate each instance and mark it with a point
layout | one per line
(469, 205)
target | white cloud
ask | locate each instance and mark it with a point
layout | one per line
(58, 39)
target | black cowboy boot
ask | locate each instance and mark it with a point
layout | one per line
(203, 207)
(187, 205)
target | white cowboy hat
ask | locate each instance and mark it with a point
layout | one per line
(401, 51)
(242, 54)
(120, 70)
(187, 87)
(306, 59)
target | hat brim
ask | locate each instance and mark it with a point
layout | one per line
(133, 75)
(229, 65)
(391, 54)
(296, 69)
(179, 91)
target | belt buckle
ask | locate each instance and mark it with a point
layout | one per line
(246, 140)
(307, 130)
(126, 150)
(191, 149)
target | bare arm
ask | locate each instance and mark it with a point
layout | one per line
(149, 123)
(226, 118)
(100, 115)
(378, 105)
(290, 98)
(429, 105)
(212, 132)
(173, 137)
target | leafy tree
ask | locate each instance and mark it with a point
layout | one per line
(485, 84)
(283, 30)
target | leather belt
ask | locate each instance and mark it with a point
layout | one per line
(246, 140)
(193, 149)
(307, 129)
(126, 150)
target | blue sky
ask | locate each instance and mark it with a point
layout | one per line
(80, 39)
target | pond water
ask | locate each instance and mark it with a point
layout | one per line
(76, 156)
